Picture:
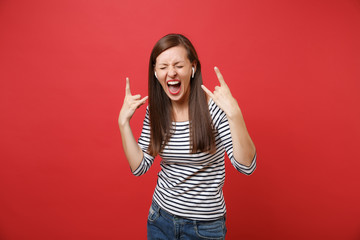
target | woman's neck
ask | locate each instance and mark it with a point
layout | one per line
(180, 111)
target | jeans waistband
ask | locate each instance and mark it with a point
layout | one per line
(163, 212)
(171, 216)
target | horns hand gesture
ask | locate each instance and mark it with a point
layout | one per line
(131, 103)
(222, 96)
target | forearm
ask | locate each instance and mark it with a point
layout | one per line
(132, 150)
(243, 146)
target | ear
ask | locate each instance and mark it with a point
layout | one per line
(194, 65)
(154, 70)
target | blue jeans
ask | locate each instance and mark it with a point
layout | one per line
(162, 225)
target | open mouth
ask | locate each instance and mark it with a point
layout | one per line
(174, 86)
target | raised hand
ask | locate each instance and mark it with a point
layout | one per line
(243, 147)
(222, 96)
(131, 103)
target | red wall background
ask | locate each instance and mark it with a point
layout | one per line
(294, 67)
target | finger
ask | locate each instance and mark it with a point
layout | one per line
(127, 87)
(207, 91)
(144, 99)
(219, 76)
(136, 97)
(141, 102)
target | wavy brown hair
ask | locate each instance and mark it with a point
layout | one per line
(160, 109)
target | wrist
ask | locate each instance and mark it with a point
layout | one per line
(234, 113)
(123, 123)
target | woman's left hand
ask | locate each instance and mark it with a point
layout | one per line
(243, 147)
(222, 96)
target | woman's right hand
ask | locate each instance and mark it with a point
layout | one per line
(131, 103)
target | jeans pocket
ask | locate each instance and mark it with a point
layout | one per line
(211, 229)
(154, 212)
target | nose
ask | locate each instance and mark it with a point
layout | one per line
(172, 72)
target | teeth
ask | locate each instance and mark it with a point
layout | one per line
(173, 82)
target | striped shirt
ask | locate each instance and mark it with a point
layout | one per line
(190, 185)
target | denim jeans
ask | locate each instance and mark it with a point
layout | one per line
(162, 225)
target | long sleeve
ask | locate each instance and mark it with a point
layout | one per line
(221, 124)
(144, 142)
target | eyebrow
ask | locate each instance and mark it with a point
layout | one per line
(174, 63)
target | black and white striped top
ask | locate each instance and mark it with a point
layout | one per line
(190, 185)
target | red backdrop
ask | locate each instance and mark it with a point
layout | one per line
(292, 65)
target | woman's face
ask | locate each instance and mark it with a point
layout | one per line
(173, 70)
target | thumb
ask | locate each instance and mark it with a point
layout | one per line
(207, 91)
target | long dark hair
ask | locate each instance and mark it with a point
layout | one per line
(160, 109)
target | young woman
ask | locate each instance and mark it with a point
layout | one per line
(190, 127)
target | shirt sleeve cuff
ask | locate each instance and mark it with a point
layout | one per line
(248, 170)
